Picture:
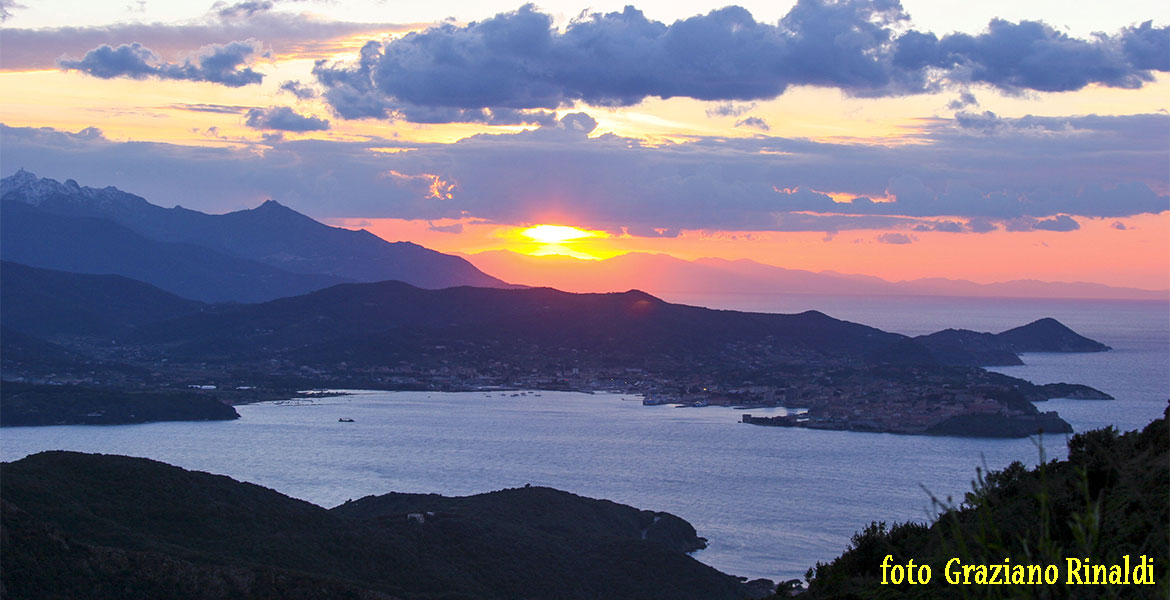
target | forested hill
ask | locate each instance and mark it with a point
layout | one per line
(105, 527)
(1108, 500)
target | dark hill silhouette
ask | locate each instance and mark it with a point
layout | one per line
(270, 233)
(969, 348)
(1048, 335)
(44, 302)
(34, 237)
(62, 507)
(356, 319)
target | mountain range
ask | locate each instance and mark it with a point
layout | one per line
(377, 322)
(391, 335)
(267, 252)
(713, 280)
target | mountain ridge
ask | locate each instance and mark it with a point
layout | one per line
(270, 234)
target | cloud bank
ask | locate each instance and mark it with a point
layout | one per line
(519, 61)
(1028, 174)
(285, 33)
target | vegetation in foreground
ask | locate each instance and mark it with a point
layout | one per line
(1111, 498)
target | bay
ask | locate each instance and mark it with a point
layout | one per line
(772, 501)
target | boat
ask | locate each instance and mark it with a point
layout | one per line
(344, 420)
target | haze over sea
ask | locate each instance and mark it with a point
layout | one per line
(772, 501)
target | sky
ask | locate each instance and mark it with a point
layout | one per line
(986, 141)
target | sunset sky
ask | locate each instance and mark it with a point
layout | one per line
(987, 141)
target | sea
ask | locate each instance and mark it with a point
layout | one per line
(771, 501)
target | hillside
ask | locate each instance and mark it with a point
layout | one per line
(63, 509)
(1106, 501)
(44, 302)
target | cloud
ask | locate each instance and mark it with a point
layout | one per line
(1032, 55)
(964, 100)
(1028, 174)
(298, 89)
(300, 35)
(6, 8)
(224, 64)
(283, 118)
(730, 109)
(1119, 225)
(895, 238)
(452, 228)
(520, 60)
(241, 9)
(754, 123)
(227, 109)
(1057, 223)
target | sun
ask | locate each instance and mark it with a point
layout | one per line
(558, 234)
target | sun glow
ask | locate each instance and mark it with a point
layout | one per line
(558, 234)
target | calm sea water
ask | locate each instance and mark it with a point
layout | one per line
(772, 501)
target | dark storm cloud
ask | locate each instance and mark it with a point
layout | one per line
(224, 64)
(519, 60)
(1025, 175)
(283, 118)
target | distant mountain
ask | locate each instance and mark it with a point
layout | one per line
(272, 234)
(970, 348)
(44, 302)
(99, 526)
(31, 236)
(675, 278)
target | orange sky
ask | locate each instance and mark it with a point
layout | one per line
(1131, 251)
(1138, 256)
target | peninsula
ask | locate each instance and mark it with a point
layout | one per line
(394, 336)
